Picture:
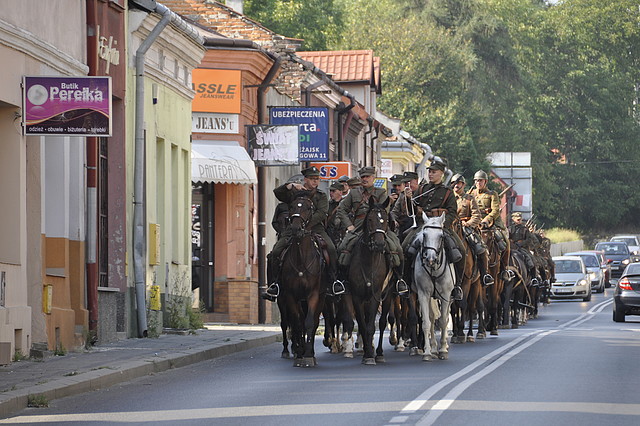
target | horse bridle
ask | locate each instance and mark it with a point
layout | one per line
(299, 201)
(438, 249)
(377, 229)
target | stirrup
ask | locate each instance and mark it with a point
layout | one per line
(534, 282)
(456, 293)
(337, 288)
(508, 275)
(487, 280)
(402, 288)
(273, 290)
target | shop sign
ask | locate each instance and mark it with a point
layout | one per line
(72, 106)
(211, 122)
(314, 129)
(333, 170)
(273, 145)
(217, 90)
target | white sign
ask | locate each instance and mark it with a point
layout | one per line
(212, 122)
(386, 168)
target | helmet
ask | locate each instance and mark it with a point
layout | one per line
(480, 174)
(458, 178)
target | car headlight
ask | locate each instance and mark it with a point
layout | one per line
(593, 276)
(625, 262)
(582, 283)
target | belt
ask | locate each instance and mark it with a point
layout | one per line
(435, 212)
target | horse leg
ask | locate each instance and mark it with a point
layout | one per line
(371, 309)
(382, 325)
(424, 300)
(443, 352)
(284, 326)
(311, 323)
(347, 316)
(394, 320)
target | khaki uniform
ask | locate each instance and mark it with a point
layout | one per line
(468, 210)
(489, 206)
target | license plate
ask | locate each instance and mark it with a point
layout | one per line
(564, 290)
(615, 268)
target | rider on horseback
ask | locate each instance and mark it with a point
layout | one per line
(523, 240)
(286, 193)
(352, 211)
(489, 206)
(470, 220)
(434, 199)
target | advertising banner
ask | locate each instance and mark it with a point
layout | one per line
(314, 129)
(273, 145)
(217, 91)
(333, 170)
(73, 106)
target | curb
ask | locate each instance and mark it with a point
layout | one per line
(13, 401)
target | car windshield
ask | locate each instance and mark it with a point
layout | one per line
(567, 266)
(613, 248)
(590, 261)
(629, 241)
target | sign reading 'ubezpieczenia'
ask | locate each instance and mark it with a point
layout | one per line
(74, 106)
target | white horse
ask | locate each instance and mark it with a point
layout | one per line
(434, 278)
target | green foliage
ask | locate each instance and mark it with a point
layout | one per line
(37, 401)
(19, 356)
(560, 235)
(60, 350)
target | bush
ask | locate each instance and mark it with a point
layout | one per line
(560, 235)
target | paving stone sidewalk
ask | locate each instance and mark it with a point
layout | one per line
(106, 365)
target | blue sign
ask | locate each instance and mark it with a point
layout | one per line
(314, 129)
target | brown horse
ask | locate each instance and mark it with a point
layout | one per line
(368, 276)
(302, 274)
(493, 292)
(465, 309)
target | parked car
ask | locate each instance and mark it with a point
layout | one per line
(626, 296)
(604, 265)
(617, 254)
(572, 279)
(633, 242)
(593, 264)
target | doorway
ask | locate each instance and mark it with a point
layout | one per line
(202, 242)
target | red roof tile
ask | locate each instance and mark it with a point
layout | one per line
(345, 65)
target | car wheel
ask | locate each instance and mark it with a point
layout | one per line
(618, 316)
(588, 298)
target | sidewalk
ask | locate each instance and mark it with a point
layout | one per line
(106, 365)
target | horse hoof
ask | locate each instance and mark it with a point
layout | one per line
(380, 358)
(481, 335)
(369, 361)
(494, 332)
(285, 355)
(455, 339)
(305, 362)
(413, 351)
(326, 343)
(513, 326)
(348, 354)
(470, 339)
(503, 326)
(443, 355)
(427, 358)
(399, 348)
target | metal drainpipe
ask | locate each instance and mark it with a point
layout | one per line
(262, 196)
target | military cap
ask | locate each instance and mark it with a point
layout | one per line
(458, 178)
(437, 164)
(396, 179)
(337, 186)
(296, 179)
(311, 172)
(354, 181)
(343, 179)
(367, 171)
(480, 174)
(516, 215)
(409, 176)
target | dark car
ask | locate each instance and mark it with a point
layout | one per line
(617, 254)
(626, 296)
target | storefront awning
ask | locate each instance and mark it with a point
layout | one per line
(221, 162)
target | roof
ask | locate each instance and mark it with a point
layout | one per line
(347, 65)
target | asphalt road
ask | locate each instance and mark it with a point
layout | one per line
(571, 366)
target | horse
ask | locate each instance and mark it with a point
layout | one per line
(471, 293)
(301, 284)
(494, 291)
(434, 278)
(368, 276)
(338, 324)
(515, 295)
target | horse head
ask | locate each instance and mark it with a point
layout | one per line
(301, 210)
(431, 235)
(376, 225)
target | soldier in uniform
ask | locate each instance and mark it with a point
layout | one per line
(334, 227)
(286, 193)
(397, 188)
(489, 206)
(402, 213)
(523, 241)
(470, 221)
(352, 211)
(345, 187)
(433, 199)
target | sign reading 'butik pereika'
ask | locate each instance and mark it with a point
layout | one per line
(73, 106)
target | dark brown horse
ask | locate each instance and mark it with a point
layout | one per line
(301, 288)
(493, 292)
(368, 277)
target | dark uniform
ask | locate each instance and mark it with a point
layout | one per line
(334, 226)
(522, 240)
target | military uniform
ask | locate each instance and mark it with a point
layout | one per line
(334, 226)
(523, 240)
(280, 219)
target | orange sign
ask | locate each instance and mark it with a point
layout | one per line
(217, 90)
(333, 170)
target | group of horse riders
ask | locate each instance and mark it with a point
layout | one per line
(338, 221)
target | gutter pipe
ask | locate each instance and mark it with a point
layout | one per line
(139, 237)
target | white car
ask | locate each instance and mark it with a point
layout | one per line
(572, 279)
(632, 242)
(591, 261)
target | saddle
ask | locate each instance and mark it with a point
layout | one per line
(322, 246)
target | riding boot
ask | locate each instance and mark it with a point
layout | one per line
(337, 286)
(457, 292)
(483, 266)
(402, 288)
(273, 291)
